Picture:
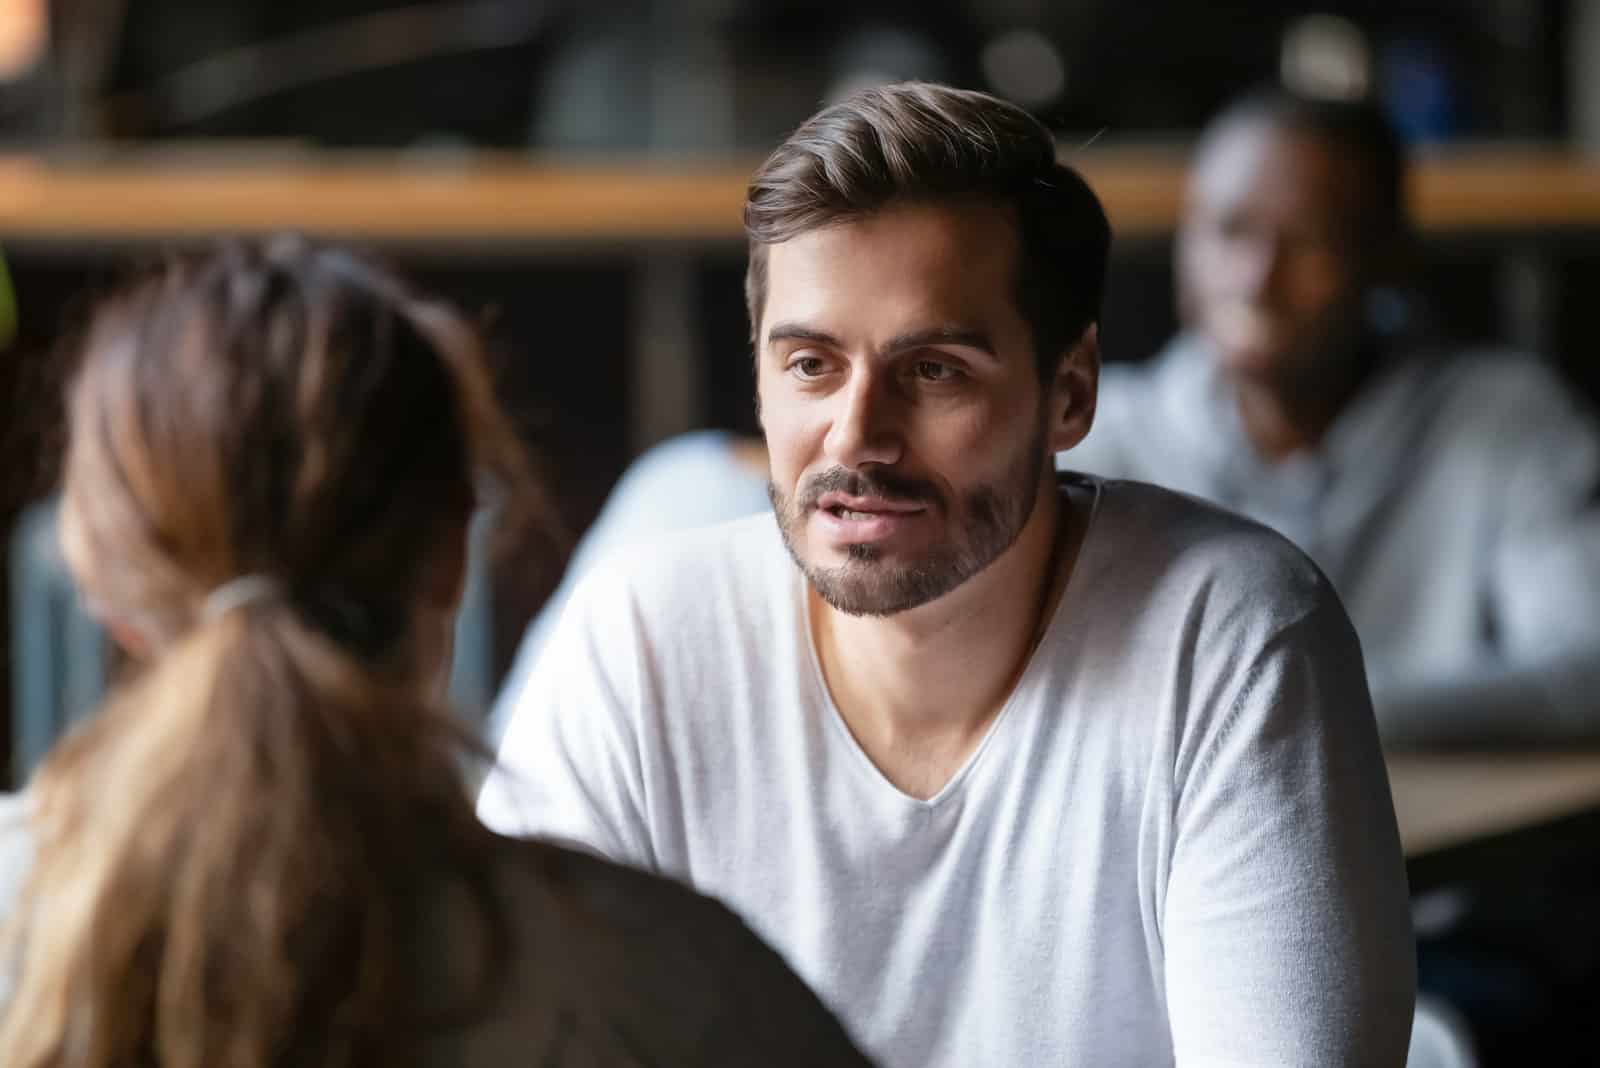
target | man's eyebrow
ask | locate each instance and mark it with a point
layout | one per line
(912, 339)
(800, 332)
(942, 335)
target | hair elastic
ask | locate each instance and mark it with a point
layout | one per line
(236, 593)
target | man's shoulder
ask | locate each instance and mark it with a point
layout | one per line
(1507, 419)
(1500, 383)
(1172, 521)
(1495, 365)
(1207, 600)
(1172, 544)
(701, 573)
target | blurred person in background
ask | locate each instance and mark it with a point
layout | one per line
(1453, 497)
(1015, 767)
(263, 851)
(693, 480)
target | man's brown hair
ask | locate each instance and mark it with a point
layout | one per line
(920, 142)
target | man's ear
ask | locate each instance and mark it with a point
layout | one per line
(1073, 391)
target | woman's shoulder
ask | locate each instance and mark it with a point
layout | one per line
(620, 952)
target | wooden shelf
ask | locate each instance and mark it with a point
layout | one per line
(371, 200)
(513, 200)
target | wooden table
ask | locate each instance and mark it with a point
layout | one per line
(1472, 813)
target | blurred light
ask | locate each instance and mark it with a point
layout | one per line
(855, 81)
(879, 55)
(23, 35)
(1326, 56)
(1022, 65)
(336, 48)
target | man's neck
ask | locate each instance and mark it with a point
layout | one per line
(920, 688)
(1282, 417)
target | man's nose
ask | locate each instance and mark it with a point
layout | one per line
(866, 427)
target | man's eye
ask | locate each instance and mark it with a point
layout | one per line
(934, 371)
(807, 366)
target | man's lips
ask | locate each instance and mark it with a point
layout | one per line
(849, 520)
(843, 502)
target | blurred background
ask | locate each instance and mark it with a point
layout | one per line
(573, 173)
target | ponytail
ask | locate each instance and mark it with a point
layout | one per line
(230, 858)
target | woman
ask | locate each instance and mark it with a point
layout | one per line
(263, 852)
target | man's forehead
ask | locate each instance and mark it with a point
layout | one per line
(959, 230)
(946, 254)
(1261, 163)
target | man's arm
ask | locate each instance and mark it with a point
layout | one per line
(1286, 924)
(1541, 701)
(1541, 578)
(569, 763)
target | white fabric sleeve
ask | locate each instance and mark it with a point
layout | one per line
(569, 765)
(1542, 583)
(1286, 925)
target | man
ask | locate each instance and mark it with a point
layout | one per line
(1015, 768)
(1452, 498)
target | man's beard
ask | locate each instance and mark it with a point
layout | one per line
(985, 520)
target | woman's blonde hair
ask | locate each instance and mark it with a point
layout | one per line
(229, 856)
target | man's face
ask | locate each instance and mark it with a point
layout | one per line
(1271, 269)
(904, 417)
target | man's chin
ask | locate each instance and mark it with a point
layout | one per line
(863, 558)
(1261, 364)
(865, 581)
(866, 599)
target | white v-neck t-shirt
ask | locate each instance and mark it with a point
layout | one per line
(1176, 843)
